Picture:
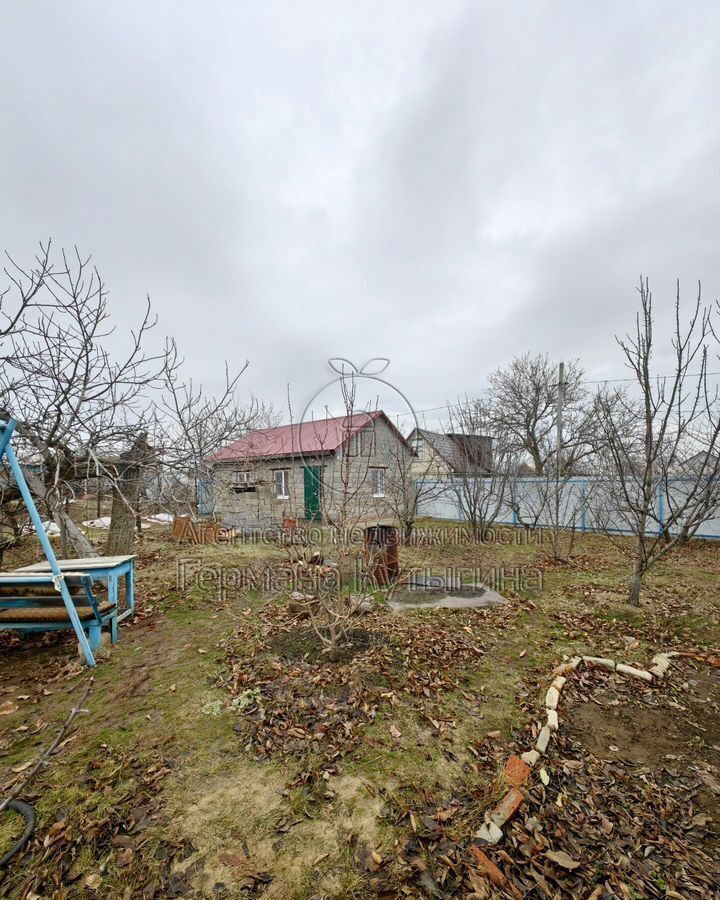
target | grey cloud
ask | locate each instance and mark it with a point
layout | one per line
(445, 185)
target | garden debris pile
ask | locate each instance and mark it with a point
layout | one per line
(294, 701)
(621, 820)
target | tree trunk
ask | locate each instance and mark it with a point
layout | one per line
(79, 542)
(63, 540)
(125, 495)
(538, 462)
(407, 533)
(478, 532)
(636, 584)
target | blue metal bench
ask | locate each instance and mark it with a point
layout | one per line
(31, 602)
(58, 594)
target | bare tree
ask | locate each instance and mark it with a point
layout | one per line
(190, 426)
(479, 479)
(524, 402)
(410, 483)
(339, 591)
(678, 418)
(20, 295)
(85, 413)
(555, 501)
(74, 402)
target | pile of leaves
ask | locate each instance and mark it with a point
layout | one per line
(294, 701)
(87, 847)
(431, 858)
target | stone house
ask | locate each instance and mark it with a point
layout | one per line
(337, 470)
(439, 456)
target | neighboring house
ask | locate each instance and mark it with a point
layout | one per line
(443, 455)
(335, 470)
(697, 463)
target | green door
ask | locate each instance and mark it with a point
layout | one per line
(313, 493)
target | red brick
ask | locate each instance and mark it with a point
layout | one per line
(516, 771)
(498, 878)
(507, 807)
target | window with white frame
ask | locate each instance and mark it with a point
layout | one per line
(281, 479)
(362, 443)
(243, 482)
(377, 477)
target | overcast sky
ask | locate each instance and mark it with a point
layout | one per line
(444, 184)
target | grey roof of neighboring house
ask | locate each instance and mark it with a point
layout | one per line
(696, 461)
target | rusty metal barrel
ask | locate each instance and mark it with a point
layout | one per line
(381, 553)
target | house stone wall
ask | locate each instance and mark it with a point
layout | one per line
(261, 507)
(429, 465)
(346, 477)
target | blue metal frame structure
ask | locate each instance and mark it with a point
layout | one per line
(53, 573)
(97, 570)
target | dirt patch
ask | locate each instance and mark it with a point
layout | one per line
(640, 736)
(673, 732)
(230, 821)
(304, 643)
(681, 724)
(249, 838)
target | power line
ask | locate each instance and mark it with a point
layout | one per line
(449, 406)
(655, 377)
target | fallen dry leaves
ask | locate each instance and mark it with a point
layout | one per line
(48, 866)
(296, 702)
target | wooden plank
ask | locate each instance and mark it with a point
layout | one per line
(49, 613)
(87, 565)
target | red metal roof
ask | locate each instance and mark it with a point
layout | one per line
(311, 438)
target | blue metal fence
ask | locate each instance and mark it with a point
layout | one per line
(587, 504)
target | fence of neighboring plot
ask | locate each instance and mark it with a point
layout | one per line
(586, 504)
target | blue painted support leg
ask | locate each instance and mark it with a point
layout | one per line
(95, 633)
(130, 588)
(49, 555)
(112, 588)
(114, 629)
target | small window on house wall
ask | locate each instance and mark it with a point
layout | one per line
(362, 443)
(242, 481)
(378, 482)
(281, 478)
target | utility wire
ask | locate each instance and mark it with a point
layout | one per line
(449, 406)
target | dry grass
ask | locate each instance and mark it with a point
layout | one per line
(158, 693)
